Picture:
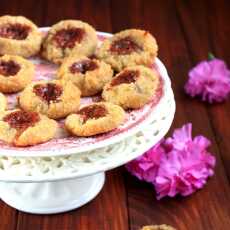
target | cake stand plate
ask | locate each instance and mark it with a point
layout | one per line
(48, 185)
(52, 197)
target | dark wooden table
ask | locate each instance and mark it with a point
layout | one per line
(186, 31)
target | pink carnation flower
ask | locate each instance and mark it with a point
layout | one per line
(186, 166)
(210, 80)
(177, 165)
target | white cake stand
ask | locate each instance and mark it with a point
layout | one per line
(54, 184)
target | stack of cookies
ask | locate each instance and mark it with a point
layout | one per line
(119, 70)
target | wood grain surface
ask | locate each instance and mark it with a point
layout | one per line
(186, 30)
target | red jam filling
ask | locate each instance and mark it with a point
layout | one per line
(48, 92)
(66, 38)
(9, 68)
(21, 120)
(15, 31)
(83, 66)
(92, 112)
(126, 77)
(124, 46)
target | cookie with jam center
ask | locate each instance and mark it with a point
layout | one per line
(15, 73)
(89, 75)
(128, 48)
(69, 37)
(19, 36)
(158, 227)
(22, 128)
(132, 88)
(56, 99)
(94, 119)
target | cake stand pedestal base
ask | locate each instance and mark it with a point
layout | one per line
(51, 197)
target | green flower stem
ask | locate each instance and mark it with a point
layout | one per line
(210, 56)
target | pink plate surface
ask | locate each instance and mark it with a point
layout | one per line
(65, 144)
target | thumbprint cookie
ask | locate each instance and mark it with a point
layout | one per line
(132, 88)
(89, 75)
(128, 48)
(3, 102)
(158, 227)
(19, 36)
(94, 119)
(69, 37)
(56, 99)
(15, 73)
(22, 128)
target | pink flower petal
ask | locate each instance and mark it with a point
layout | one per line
(145, 167)
(177, 165)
